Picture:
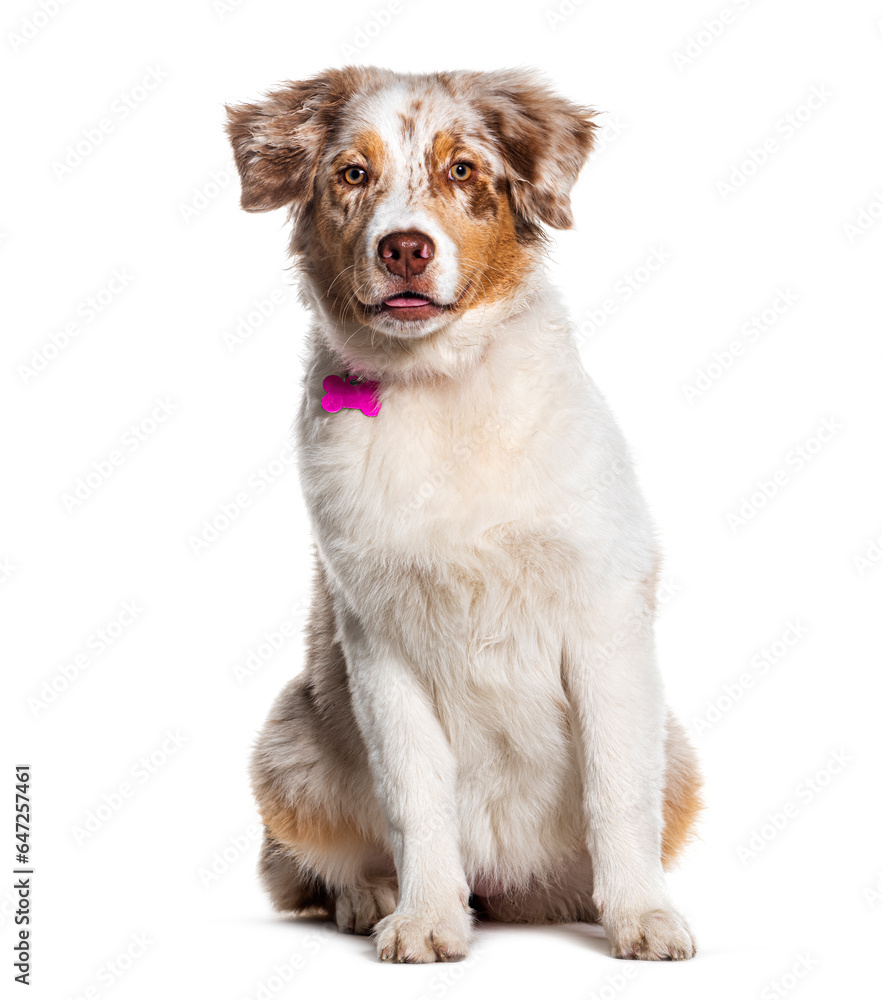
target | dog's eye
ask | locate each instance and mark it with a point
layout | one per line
(354, 175)
(460, 172)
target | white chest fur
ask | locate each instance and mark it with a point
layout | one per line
(467, 519)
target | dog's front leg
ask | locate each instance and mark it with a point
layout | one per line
(610, 672)
(414, 774)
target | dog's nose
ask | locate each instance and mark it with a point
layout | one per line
(406, 254)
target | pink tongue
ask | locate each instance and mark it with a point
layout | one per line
(405, 302)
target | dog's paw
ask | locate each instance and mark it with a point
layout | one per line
(414, 937)
(357, 911)
(657, 935)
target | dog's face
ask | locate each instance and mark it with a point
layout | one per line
(415, 199)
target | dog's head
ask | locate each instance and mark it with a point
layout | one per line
(415, 199)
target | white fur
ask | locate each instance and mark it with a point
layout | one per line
(492, 563)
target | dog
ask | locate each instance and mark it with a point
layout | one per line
(480, 725)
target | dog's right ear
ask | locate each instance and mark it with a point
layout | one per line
(544, 139)
(278, 142)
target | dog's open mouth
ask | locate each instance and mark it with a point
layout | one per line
(409, 306)
(407, 300)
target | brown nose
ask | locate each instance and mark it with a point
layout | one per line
(406, 254)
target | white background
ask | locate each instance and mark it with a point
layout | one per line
(687, 107)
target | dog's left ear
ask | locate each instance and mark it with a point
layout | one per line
(278, 142)
(544, 138)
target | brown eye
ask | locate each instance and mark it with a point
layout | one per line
(460, 172)
(354, 175)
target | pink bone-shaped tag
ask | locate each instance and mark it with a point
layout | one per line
(344, 392)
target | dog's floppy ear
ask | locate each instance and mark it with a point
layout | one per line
(277, 143)
(544, 139)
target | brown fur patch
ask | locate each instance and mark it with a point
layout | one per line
(445, 147)
(682, 802)
(277, 142)
(367, 146)
(493, 260)
(482, 195)
(408, 127)
(305, 830)
(545, 140)
(332, 236)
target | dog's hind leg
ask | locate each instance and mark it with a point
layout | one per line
(324, 845)
(291, 884)
(295, 887)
